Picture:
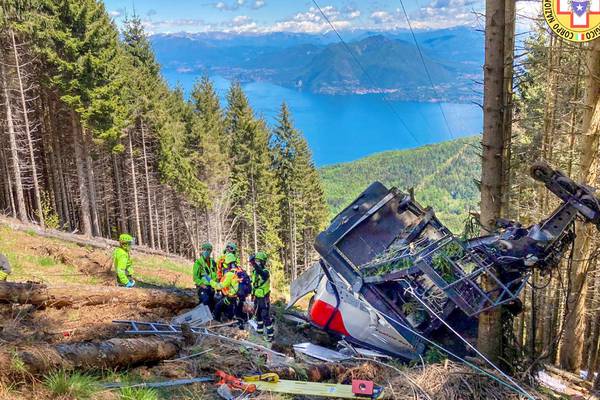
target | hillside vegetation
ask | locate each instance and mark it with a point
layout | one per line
(442, 175)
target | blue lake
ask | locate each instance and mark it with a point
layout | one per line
(345, 128)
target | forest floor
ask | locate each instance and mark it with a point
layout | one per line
(53, 262)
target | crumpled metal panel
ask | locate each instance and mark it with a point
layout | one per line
(306, 283)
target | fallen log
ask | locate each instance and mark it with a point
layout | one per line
(59, 296)
(110, 354)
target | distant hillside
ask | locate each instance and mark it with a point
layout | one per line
(321, 64)
(442, 175)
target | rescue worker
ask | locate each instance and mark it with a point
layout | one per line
(4, 268)
(205, 271)
(228, 285)
(261, 290)
(244, 290)
(230, 248)
(122, 261)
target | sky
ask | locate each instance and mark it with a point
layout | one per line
(263, 16)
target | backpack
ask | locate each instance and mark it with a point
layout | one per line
(245, 285)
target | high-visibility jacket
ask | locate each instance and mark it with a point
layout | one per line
(228, 284)
(204, 269)
(261, 282)
(4, 268)
(221, 265)
(123, 265)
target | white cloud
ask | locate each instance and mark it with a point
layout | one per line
(241, 20)
(258, 4)
(240, 2)
(115, 13)
(175, 25)
(353, 14)
(221, 6)
(381, 17)
(312, 21)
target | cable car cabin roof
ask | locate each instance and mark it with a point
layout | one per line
(366, 228)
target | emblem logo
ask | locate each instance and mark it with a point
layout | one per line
(573, 20)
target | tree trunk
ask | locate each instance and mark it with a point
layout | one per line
(117, 177)
(136, 207)
(509, 56)
(86, 140)
(59, 296)
(10, 194)
(572, 348)
(14, 153)
(25, 111)
(108, 355)
(84, 198)
(489, 339)
(148, 195)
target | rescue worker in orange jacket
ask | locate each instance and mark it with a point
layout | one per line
(228, 286)
(230, 248)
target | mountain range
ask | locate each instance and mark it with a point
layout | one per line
(385, 62)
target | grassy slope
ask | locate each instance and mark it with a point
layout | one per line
(30, 260)
(435, 171)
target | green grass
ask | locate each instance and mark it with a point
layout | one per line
(138, 394)
(162, 263)
(75, 385)
(46, 261)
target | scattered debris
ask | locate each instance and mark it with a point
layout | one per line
(320, 352)
(198, 316)
(335, 390)
(158, 328)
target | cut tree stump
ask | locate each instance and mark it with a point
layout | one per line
(110, 354)
(59, 296)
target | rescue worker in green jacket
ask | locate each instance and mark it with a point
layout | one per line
(261, 290)
(4, 268)
(228, 285)
(122, 261)
(205, 271)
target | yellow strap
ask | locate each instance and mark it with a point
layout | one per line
(268, 377)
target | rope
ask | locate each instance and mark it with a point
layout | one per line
(426, 69)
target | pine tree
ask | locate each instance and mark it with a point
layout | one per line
(302, 202)
(213, 154)
(254, 190)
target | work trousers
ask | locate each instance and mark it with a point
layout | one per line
(225, 306)
(263, 318)
(240, 315)
(206, 296)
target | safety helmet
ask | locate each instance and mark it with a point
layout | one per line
(262, 256)
(125, 238)
(230, 258)
(232, 246)
(207, 246)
